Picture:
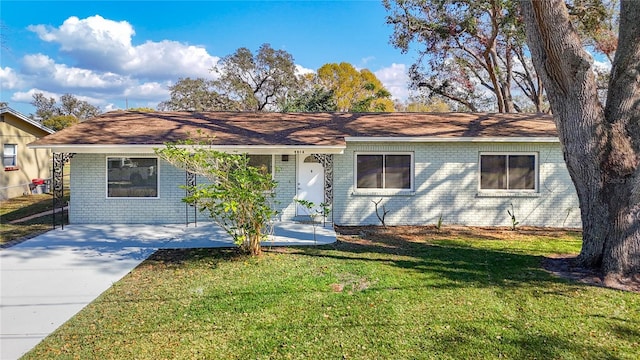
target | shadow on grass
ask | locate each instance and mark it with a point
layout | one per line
(447, 266)
(457, 267)
(28, 205)
(451, 266)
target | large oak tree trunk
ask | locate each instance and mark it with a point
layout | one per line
(622, 153)
(601, 148)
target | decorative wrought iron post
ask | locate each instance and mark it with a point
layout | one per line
(191, 182)
(327, 162)
(57, 179)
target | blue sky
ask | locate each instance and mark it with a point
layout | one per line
(111, 53)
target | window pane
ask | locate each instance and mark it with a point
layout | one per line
(369, 171)
(132, 177)
(261, 161)
(397, 172)
(9, 155)
(522, 174)
(493, 172)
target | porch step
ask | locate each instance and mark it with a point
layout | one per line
(306, 219)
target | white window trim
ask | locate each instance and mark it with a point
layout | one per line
(516, 192)
(106, 178)
(383, 191)
(15, 156)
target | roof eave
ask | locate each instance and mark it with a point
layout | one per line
(149, 149)
(26, 119)
(438, 139)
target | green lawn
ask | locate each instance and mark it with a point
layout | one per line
(20, 207)
(23, 206)
(431, 296)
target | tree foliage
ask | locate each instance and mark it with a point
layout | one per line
(197, 95)
(69, 106)
(596, 21)
(468, 45)
(475, 53)
(60, 122)
(260, 82)
(142, 109)
(355, 91)
(237, 196)
(601, 144)
(424, 104)
(313, 100)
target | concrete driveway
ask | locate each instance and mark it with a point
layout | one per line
(48, 279)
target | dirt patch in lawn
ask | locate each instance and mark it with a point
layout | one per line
(418, 233)
(561, 265)
(564, 266)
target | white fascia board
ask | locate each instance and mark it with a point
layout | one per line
(437, 139)
(26, 119)
(149, 149)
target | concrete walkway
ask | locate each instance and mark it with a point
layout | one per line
(49, 278)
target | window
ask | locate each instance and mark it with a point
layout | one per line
(384, 171)
(262, 161)
(508, 172)
(132, 177)
(10, 156)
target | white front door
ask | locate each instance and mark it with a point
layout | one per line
(310, 182)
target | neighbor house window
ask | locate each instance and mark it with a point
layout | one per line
(10, 156)
(384, 171)
(132, 177)
(508, 172)
(264, 162)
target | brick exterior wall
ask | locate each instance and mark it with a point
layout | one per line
(446, 184)
(89, 203)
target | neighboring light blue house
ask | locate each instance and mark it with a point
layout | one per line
(467, 168)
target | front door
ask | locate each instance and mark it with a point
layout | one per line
(310, 182)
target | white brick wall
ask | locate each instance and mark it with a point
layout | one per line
(446, 184)
(89, 203)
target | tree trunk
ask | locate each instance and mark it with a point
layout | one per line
(601, 148)
(622, 153)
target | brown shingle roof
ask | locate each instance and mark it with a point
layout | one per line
(306, 129)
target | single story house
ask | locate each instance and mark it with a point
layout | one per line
(21, 165)
(463, 168)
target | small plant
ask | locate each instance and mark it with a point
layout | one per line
(512, 214)
(314, 211)
(566, 217)
(384, 212)
(439, 224)
(237, 195)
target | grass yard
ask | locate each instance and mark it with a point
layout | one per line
(23, 206)
(388, 294)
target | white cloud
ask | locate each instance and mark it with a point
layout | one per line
(148, 91)
(301, 70)
(27, 96)
(395, 79)
(60, 77)
(169, 59)
(74, 33)
(106, 45)
(602, 66)
(9, 79)
(364, 61)
(94, 42)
